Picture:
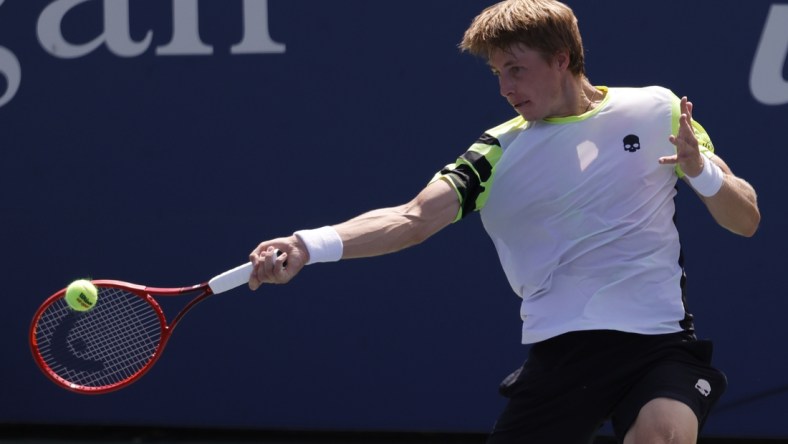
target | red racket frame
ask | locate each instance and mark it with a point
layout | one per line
(141, 291)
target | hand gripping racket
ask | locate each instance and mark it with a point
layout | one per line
(118, 340)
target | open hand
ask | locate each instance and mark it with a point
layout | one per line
(687, 155)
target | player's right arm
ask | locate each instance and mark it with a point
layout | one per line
(374, 233)
(392, 229)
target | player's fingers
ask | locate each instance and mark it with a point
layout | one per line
(685, 122)
(685, 139)
(669, 160)
(269, 259)
(280, 261)
(685, 106)
(254, 283)
(272, 267)
(254, 280)
(258, 253)
(258, 259)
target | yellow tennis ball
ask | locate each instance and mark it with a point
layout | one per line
(81, 295)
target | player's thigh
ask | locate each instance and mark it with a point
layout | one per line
(527, 421)
(664, 420)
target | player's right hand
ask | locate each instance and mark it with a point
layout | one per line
(277, 261)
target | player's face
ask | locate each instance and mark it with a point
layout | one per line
(531, 84)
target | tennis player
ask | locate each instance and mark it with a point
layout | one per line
(577, 194)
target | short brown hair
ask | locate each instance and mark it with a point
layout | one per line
(548, 26)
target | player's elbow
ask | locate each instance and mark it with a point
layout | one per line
(745, 225)
(422, 225)
(752, 225)
(420, 231)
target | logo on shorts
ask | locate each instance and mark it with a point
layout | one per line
(703, 387)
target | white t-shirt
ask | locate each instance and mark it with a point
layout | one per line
(581, 214)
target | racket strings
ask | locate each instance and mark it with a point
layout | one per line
(103, 346)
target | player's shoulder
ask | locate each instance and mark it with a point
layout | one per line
(511, 125)
(653, 92)
(503, 133)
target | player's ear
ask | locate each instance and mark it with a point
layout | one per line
(561, 60)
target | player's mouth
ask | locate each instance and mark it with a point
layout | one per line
(519, 105)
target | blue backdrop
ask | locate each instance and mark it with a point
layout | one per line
(159, 141)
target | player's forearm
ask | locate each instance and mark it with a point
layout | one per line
(735, 206)
(382, 231)
(391, 229)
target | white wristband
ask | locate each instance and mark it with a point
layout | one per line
(323, 244)
(709, 181)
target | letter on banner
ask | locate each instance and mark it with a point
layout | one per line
(185, 31)
(116, 31)
(12, 71)
(766, 78)
(257, 38)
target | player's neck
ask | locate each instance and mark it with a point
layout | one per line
(590, 96)
(579, 96)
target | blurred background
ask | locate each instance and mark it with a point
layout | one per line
(158, 141)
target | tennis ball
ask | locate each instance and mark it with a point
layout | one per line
(81, 295)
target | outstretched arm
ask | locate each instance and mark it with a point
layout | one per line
(374, 233)
(734, 205)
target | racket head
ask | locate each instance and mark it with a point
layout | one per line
(102, 349)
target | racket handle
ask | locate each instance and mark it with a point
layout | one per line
(231, 278)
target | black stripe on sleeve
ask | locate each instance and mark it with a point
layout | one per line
(479, 163)
(467, 184)
(486, 139)
(468, 176)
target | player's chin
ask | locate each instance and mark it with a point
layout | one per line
(527, 112)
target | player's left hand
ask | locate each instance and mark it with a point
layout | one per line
(688, 155)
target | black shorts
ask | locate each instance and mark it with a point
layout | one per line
(571, 384)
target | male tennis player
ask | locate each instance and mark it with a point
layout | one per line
(577, 194)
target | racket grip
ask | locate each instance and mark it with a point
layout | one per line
(231, 278)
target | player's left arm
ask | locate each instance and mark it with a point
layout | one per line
(735, 205)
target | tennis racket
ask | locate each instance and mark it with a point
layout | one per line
(117, 341)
